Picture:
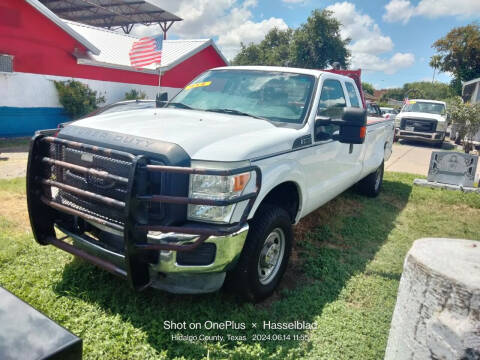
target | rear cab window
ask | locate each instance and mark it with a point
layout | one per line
(352, 94)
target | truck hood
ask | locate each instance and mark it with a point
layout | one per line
(421, 115)
(203, 135)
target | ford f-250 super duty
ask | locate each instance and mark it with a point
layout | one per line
(208, 187)
(422, 120)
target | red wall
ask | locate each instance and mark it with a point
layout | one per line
(183, 73)
(41, 47)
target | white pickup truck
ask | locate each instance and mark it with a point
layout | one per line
(422, 120)
(208, 187)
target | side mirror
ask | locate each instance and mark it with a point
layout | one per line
(352, 125)
(162, 99)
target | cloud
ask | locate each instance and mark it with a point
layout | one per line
(248, 32)
(368, 42)
(389, 66)
(293, 1)
(404, 10)
(229, 21)
(398, 10)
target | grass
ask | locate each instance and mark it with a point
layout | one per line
(344, 276)
(16, 144)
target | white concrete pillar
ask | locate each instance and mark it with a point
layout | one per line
(437, 315)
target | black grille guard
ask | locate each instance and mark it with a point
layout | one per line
(44, 212)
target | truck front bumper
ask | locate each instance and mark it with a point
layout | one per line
(150, 253)
(172, 274)
(201, 272)
(435, 137)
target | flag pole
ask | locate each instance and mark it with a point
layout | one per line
(159, 79)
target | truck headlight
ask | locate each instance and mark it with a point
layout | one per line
(398, 120)
(215, 187)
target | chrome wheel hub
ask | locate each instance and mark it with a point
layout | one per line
(271, 256)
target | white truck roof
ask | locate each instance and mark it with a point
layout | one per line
(313, 72)
(430, 101)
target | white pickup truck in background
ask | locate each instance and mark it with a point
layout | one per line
(422, 120)
(207, 188)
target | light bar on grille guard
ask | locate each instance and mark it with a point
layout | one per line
(45, 212)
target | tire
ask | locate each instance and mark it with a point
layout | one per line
(270, 238)
(371, 184)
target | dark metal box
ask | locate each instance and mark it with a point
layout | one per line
(26, 333)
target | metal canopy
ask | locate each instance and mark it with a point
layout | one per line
(112, 13)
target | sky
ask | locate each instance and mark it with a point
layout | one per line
(391, 40)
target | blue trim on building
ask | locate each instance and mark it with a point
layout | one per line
(16, 121)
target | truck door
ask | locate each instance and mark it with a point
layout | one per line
(332, 167)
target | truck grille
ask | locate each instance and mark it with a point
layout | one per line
(117, 190)
(418, 125)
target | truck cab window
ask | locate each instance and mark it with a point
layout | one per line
(352, 94)
(373, 110)
(331, 104)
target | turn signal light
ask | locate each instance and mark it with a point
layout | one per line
(240, 182)
(363, 131)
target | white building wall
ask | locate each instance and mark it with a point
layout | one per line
(27, 90)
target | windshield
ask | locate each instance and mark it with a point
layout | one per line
(276, 96)
(425, 107)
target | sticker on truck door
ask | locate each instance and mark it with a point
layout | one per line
(192, 86)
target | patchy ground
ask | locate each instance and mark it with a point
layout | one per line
(344, 276)
(13, 158)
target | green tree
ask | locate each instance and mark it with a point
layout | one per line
(274, 49)
(428, 90)
(393, 93)
(77, 98)
(318, 44)
(419, 89)
(459, 53)
(368, 88)
(435, 64)
(135, 95)
(315, 44)
(468, 116)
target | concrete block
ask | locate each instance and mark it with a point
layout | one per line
(437, 314)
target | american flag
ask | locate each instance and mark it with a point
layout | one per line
(146, 51)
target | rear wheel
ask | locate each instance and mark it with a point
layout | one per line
(265, 255)
(371, 184)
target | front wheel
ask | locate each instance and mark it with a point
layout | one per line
(265, 255)
(371, 184)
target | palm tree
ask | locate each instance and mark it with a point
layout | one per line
(435, 64)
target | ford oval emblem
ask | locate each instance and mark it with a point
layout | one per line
(100, 182)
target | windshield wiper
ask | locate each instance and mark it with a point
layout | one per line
(235, 112)
(180, 105)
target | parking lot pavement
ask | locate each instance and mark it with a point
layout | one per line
(412, 157)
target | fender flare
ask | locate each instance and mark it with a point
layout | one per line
(277, 175)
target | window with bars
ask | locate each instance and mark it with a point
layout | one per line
(6, 63)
